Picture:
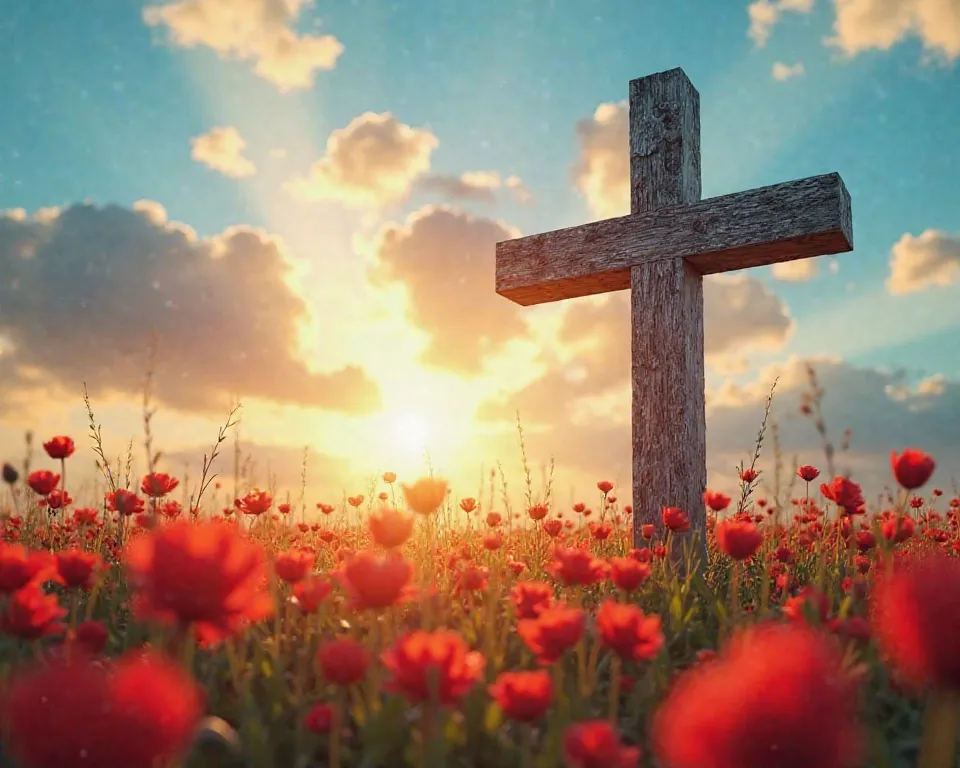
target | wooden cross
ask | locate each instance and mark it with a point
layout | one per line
(661, 251)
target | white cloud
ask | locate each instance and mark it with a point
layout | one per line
(863, 25)
(764, 15)
(916, 263)
(259, 31)
(474, 185)
(602, 170)
(222, 150)
(797, 271)
(783, 71)
(371, 162)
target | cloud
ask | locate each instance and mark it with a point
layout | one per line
(797, 271)
(222, 150)
(783, 71)
(916, 263)
(863, 25)
(593, 356)
(765, 14)
(444, 258)
(84, 288)
(480, 186)
(259, 31)
(370, 163)
(602, 170)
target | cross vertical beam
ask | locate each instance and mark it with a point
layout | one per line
(666, 299)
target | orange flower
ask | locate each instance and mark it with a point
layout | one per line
(31, 614)
(468, 505)
(390, 527)
(739, 539)
(676, 520)
(775, 695)
(140, 712)
(596, 744)
(343, 661)
(355, 501)
(425, 495)
(158, 484)
(42, 481)
(628, 574)
(629, 633)
(60, 447)
(916, 619)
(440, 662)
(912, 468)
(293, 566)
(575, 566)
(389, 477)
(77, 567)
(374, 581)
(205, 574)
(523, 696)
(553, 631)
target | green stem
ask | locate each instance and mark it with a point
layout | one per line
(613, 705)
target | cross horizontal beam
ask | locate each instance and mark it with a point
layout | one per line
(768, 225)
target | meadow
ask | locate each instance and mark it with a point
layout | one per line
(409, 625)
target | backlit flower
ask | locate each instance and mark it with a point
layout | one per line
(553, 632)
(440, 664)
(390, 528)
(739, 539)
(59, 447)
(596, 744)
(425, 495)
(375, 581)
(628, 632)
(912, 468)
(42, 481)
(523, 696)
(156, 485)
(343, 661)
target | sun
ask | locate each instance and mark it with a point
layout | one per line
(411, 432)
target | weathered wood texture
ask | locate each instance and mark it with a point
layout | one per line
(666, 298)
(782, 222)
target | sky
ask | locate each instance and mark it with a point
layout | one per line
(299, 204)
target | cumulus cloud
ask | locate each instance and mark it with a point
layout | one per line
(783, 71)
(931, 258)
(764, 15)
(863, 25)
(84, 289)
(371, 162)
(259, 31)
(480, 186)
(740, 315)
(445, 260)
(222, 150)
(797, 271)
(602, 170)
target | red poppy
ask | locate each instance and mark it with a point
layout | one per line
(42, 481)
(845, 493)
(716, 501)
(808, 473)
(310, 592)
(390, 528)
(523, 696)
(775, 695)
(31, 614)
(124, 502)
(20, 567)
(676, 520)
(576, 566)
(206, 574)
(425, 663)
(139, 713)
(293, 566)
(628, 632)
(59, 447)
(425, 495)
(596, 744)
(912, 468)
(90, 636)
(158, 484)
(375, 581)
(530, 598)
(553, 631)
(255, 502)
(77, 568)
(343, 661)
(739, 539)
(538, 511)
(319, 719)
(628, 573)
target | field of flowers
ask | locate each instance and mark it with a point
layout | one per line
(410, 626)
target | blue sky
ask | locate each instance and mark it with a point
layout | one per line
(98, 105)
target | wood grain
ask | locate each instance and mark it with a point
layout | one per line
(782, 222)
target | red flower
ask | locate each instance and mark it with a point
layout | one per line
(292, 566)
(897, 528)
(59, 447)
(912, 468)
(310, 592)
(605, 486)
(775, 695)
(596, 744)
(158, 484)
(629, 633)
(255, 502)
(807, 473)
(538, 511)
(343, 661)
(523, 696)
(390, 527)
(124, 502)
(916, 619)
(647, 531)
(140, 713)
(739, 539)
(748, 475)
(576, 566)
(90, 636)
(845, 494)
(19, 567)
(42, 481)
(554, 631)
(628, 574)
(205, 574)
(77, 567)
(374, 581)
(530, 598)
(440, 662)
(676, 520)
(552, 528)
(319, 719)
(716, 501)
(31, 614)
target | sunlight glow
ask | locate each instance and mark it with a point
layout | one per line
(411, 434)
